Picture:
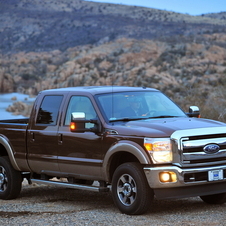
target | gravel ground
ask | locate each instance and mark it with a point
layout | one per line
(50, 205)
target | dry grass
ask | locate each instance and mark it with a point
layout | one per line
(212, 104)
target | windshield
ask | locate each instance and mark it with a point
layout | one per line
(138, 105)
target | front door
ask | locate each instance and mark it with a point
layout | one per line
(79, 153)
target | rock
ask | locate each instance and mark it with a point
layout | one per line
(14, 98)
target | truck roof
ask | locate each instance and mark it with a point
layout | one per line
(97, 89)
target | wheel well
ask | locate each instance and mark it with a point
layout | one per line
(118, 159)
(3, 151)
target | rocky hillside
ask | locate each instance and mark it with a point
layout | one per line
(50, 44)
(221, 15)
(189, 73)
(46, 25)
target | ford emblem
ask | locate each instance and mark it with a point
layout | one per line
(211, 148)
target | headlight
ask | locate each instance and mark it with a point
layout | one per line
(160, 149)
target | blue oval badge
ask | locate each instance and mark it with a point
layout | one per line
(211, 148)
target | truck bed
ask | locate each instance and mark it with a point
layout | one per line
(15, 130)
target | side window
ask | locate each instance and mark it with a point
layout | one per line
(80, 104)
(49, 109)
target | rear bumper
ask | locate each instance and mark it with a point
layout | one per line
(189, 182)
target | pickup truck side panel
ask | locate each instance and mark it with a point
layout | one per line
(80, 153)
(77, 154)
(14, 141)
(118, 149)
(42, 135)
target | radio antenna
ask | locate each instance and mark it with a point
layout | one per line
(112, 87)
(112, 99)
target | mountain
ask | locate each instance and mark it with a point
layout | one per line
(51, 44)
(45, 25)
(220, 16)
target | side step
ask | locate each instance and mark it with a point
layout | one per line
(69, 185)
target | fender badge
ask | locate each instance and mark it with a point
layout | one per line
(211, 148)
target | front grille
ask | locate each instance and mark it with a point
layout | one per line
(209, 136)
(192, 151)
(199, 149)
(207, 160)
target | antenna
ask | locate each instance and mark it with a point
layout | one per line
(112, 85)
(112, 99)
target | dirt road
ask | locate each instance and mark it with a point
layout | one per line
(48, 205)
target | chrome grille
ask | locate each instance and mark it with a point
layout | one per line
(189, 146)
(193, 153)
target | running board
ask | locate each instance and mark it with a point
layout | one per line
(75, 186)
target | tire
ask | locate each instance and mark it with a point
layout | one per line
(130, 190)
(10, 180)
(214, 199)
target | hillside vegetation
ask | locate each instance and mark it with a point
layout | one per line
(49, 44)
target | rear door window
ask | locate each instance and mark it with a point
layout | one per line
(49, 110)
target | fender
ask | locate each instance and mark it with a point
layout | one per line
(124, 146)
(9, 150)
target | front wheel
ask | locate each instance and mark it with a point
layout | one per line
(10, 180)
(130, 190)
(214, 199)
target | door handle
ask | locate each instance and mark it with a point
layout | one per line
(32, 136)
(60, 138)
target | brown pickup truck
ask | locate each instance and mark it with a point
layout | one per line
(134, 142)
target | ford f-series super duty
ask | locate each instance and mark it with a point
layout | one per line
(132, 141)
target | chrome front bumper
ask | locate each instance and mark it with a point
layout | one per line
(181, 188)
(152, 174)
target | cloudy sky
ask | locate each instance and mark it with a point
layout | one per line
(192, 7)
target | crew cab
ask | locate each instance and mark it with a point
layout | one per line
(132, 141)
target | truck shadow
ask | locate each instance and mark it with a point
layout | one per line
(85, 200)
(182, 206)
(45, 194)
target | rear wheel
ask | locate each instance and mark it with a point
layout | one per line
(130, 190)
(10, 180)
(214, 199)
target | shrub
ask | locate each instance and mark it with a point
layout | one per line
(212, 103)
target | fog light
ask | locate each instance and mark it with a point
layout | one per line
(167, 177)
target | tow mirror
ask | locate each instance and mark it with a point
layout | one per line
(194, 112)
(78, 123)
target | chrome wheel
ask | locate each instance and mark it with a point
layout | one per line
(3, 179)
(130, 190)
(10, 180)
(127, 189)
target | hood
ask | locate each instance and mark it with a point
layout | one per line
(163, 127)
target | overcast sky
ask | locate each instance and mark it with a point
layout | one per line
(192, 7)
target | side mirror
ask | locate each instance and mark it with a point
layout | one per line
(194, 112)
(78, 123)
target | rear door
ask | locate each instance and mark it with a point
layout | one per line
(42, 134)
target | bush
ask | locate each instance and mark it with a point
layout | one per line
(212, 103)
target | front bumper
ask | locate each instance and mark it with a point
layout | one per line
(190, 182)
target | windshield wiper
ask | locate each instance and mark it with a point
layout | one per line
(164, 116)
(126, 119)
